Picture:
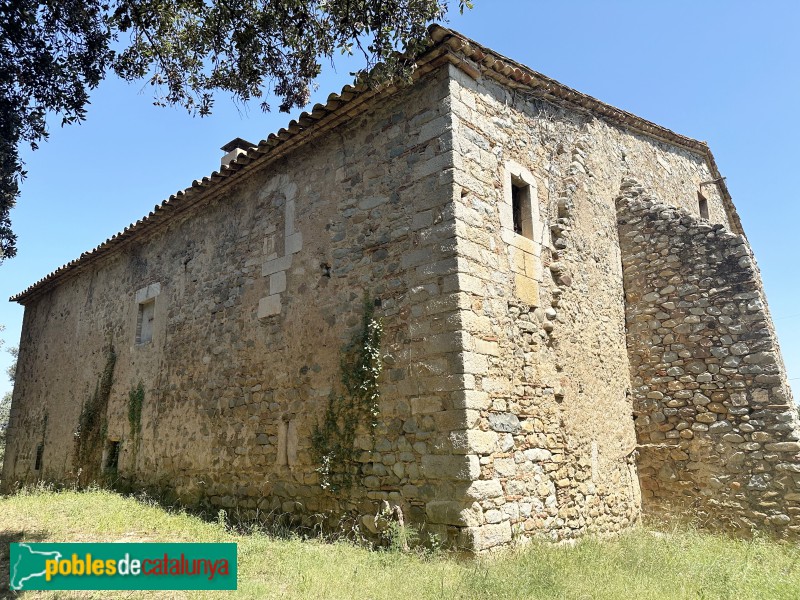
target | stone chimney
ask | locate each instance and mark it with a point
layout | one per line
(233, 149)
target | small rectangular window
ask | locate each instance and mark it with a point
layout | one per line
(516, 207)
(111, 456)
(144, 321)
(703, 205)
(39, 454)
(521, 208)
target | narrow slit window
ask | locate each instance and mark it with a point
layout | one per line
(111, 456)
(287, 441)
(144, 321)
(521, 208)
(702, 205)
(516, 207)
(39, 454)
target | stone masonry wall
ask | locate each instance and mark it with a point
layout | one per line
(717, 428)
(506, 403)
(544, 319)
(256, 292)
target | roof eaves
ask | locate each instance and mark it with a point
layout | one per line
(338, 108)
(447, 45)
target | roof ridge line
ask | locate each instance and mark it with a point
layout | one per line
(445, 42)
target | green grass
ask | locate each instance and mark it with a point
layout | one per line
(639, 565)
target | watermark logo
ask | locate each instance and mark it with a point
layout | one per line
(128, 566)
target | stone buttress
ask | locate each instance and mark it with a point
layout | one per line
(717, 428)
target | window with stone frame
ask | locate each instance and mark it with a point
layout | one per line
(702, 205)
(522, 229)
(144, 321)
(519, 209)
(146, 313)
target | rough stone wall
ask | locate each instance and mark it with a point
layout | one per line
(552, 413)
(257, 292)
(717, 428)
(506, 404)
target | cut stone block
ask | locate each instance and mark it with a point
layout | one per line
(527, 289)
(277, 282)
(269, 306)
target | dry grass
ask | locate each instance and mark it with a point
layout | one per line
(641, 565)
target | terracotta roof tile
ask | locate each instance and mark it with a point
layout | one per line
(445, 43)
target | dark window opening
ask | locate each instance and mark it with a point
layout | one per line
(703, 205)
(516, 207)
(111, 456)
(521, 208)
(39, 453)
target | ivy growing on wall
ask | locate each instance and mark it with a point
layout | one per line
(333, 442)
(91, 430)
(135, 402)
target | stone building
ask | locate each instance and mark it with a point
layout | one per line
(574, 329)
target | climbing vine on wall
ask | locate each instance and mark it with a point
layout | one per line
(333, 442)
(91, 430)
(135, 402)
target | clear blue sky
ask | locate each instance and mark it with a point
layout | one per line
(722, 71)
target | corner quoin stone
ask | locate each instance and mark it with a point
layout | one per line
(269, 306)
(455, 468)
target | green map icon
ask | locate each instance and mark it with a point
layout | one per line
(28, 564)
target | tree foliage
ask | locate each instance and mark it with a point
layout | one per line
(53, 53)
(11, 371)
(5, 415)
(5, 400)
